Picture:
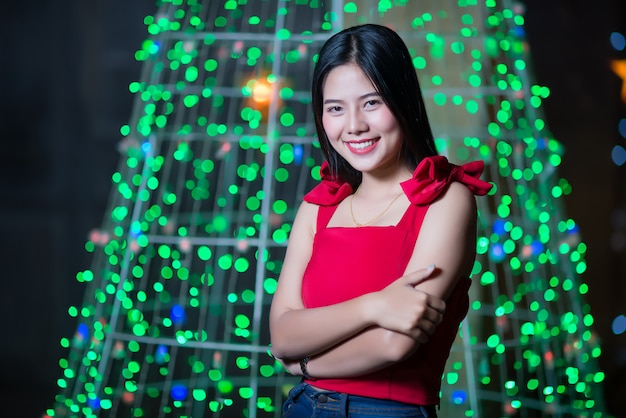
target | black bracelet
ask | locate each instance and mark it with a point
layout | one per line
(303, 364)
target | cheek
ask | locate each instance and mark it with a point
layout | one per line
(331, 127)
(386, 121)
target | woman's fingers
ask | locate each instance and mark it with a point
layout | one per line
(420, 275)
(403, 308)
(437, 308)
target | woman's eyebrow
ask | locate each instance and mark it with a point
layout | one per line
(365, 96)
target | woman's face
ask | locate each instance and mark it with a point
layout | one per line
(359, 125)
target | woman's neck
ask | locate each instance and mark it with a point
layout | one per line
(383, 183)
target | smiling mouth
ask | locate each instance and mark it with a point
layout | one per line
(362, 144)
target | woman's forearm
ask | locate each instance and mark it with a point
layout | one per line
(398, 314)
(300, 333)
(367, 352)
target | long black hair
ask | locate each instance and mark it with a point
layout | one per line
(384, 58)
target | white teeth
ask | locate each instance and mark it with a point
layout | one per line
(361, 145)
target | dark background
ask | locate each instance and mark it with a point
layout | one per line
(64, 74)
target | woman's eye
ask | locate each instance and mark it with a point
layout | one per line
(371, 103)
(334, 109)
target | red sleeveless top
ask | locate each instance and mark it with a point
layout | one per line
(347, 262)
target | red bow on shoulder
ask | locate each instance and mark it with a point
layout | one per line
(434, 174)
(330, 191)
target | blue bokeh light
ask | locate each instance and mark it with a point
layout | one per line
(618, 41)
(619, 325)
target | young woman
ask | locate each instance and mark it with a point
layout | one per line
(375, 278)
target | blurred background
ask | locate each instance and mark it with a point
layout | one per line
(64, 76)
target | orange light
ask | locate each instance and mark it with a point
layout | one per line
(261, 92)
(619, 68)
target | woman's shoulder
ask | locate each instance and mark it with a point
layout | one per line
(308, 208)
(457, 198)
(435, 176)
(305, 220)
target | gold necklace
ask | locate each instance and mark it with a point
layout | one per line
(375, 217)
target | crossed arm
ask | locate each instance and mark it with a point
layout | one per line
(379, 328)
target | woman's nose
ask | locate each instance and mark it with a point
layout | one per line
(356, 123)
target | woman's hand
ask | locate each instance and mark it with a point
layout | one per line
(401, 308)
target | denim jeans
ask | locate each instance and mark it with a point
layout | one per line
(306, 402)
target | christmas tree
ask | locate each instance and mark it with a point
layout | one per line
(218, 152)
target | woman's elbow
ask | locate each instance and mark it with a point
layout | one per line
(278, 344)
(278, 351)
(278, 347)
(282, 347)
